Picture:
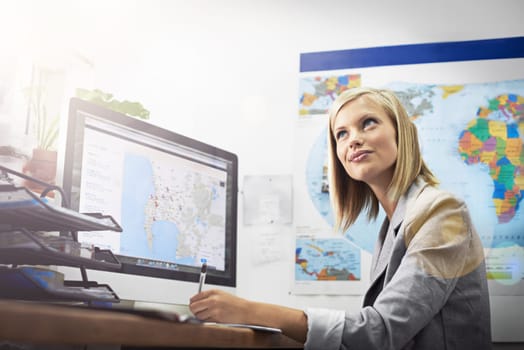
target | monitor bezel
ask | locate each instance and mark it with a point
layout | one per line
(79, 108)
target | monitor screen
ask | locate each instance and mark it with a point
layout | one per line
(175, 197)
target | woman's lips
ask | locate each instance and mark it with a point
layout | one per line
(358, 156)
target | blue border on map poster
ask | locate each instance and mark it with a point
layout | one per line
(504, 48)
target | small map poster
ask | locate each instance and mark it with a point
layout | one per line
(325, 265)
(318, 92)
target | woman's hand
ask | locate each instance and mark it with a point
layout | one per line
(218, 306)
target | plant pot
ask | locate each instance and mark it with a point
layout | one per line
(41, 166)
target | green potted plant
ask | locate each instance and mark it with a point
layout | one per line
(133, 109)
(42, 164)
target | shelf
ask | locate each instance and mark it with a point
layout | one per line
(22, 247)
(36, 284)
(19, 207)
(34, 231)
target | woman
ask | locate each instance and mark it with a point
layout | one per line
(428, 280)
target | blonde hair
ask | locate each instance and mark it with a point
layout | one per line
(350, 197)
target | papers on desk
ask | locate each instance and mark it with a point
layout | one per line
(241, 325)
(175, 317)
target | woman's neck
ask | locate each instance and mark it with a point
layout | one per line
(387, 203)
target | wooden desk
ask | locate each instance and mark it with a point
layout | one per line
(47, 325)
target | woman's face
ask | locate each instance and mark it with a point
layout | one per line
(366, 142)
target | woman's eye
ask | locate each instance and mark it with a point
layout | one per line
(341, 134)
(368, 122)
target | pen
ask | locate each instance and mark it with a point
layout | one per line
(203, 271)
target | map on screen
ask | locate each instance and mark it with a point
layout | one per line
(172, 213)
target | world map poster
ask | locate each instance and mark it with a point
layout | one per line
(470, 119)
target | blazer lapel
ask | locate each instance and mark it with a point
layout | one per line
(378, 248)
(386, 241)
(380, 261)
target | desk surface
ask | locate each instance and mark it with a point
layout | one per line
(48, 324)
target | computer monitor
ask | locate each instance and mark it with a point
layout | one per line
(175, 198)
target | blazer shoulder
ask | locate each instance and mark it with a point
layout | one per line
(427, 204)
(430, 197)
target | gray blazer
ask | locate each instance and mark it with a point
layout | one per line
(428, 283)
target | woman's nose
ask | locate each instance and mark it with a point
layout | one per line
(355, 140)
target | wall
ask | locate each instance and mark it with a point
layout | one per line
(226, 72)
